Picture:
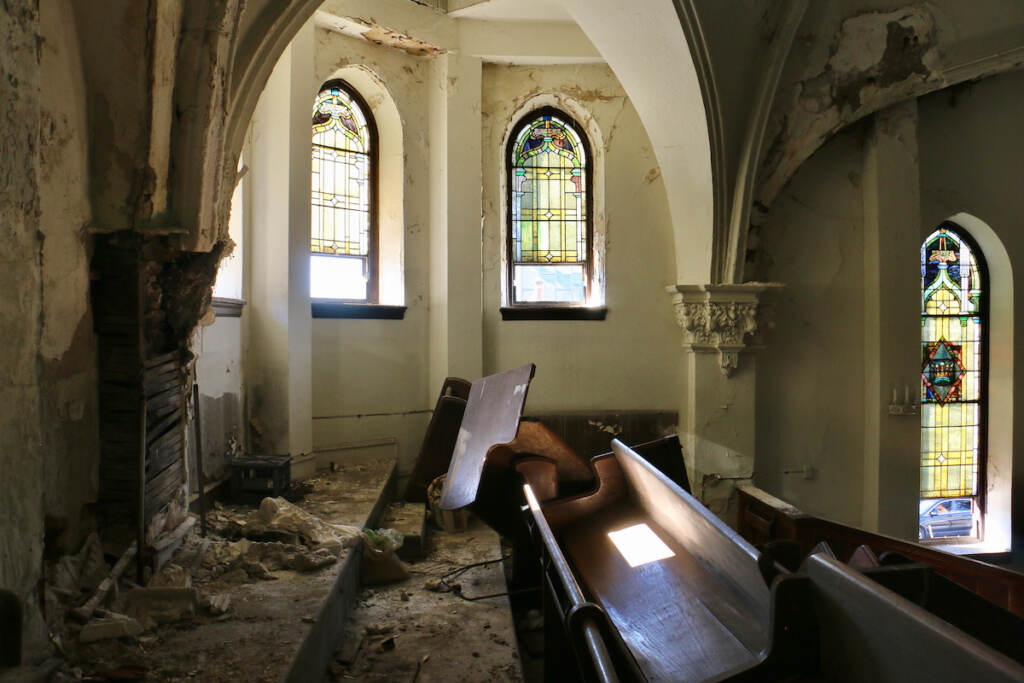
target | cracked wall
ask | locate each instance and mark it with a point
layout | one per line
(811, 376)
(814, 239)
(873, 59)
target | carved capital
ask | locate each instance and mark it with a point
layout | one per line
(720, 318)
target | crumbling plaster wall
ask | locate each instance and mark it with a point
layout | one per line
(68, 351)
(119, 110)
(810, 376)
(370, 376)
(852, 59)
(631, 360)
(21, 457)
(218, 349)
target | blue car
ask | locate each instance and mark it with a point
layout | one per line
(942, 517)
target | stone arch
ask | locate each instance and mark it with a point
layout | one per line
(683, 119)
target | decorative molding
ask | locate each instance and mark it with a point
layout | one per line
(721, 319)
(226, 307)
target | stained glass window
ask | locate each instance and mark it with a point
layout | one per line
(952, 381)
(343, 235)
(549, 217)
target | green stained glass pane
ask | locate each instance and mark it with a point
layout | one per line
(549, 205)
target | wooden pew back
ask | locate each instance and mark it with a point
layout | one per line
(764, 518)
(869, 633)
(728, 558)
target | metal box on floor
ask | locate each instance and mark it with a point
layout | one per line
(255, 477)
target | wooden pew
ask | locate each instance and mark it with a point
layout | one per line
(700, 606)
(492, 438)
(764, 518)
(439, 439)
(705, 611)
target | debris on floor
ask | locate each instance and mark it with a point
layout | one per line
(229, 607)
(409, 631)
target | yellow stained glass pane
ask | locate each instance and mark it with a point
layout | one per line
(951, 342)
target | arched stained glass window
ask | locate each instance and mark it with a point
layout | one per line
(550, 236)
(953, 345)
(344, 232)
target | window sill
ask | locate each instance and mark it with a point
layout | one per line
(341, 310)
(225, 307)
(968, 546)
(553, 313)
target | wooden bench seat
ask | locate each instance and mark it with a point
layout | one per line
(701, 607)
(636, 600)
(700, 614)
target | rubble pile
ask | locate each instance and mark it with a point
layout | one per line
(88, 601)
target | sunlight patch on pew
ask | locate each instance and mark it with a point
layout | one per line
(639, 545)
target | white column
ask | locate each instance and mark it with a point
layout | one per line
(278, 354)
(892, 324)
(719, 323)
(456, 287)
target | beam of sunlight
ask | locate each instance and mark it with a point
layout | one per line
(639, 545)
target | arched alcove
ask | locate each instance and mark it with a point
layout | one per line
(999, 460)
(390, 203)
(681, 117)
(585, 118)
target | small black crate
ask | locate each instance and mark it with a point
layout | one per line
(255, 477)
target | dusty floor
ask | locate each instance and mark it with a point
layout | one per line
(256, 638)
(408, 631)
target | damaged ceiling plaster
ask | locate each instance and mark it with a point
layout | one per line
(369, 30)
(873, 60)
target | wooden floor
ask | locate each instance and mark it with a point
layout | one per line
(658, 629)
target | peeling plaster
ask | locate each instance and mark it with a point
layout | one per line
(875, 59)
(370, 30)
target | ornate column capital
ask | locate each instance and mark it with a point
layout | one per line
(721, 318)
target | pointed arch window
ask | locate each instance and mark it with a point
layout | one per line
(953, 383)
(344, 203)
(550, 237)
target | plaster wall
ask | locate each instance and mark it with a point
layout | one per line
(267, 352)
(810, 376)
(370, 376)
(70, 440)
(218, 349)
(817, 373)
(21, 459)
(631, 360)
(670, 103)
